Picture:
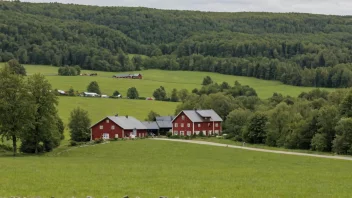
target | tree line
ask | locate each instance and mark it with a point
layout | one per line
(296, 49)
(317, 120)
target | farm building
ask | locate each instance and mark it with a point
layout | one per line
(131, 76)
(90, 94)
(118, 127)
(164, 123)
(152, 127)
(189, 122)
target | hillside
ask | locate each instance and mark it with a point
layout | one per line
(147, 168)
(296, 49)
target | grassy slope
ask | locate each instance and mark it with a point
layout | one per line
(148, 168)
(155, 78)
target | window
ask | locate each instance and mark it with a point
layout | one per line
(116, 135)
(113, 127)
(182, 133)
(182, 125)
(198, 125)
(101, 127)
(216, 131)
(197, 132)
(188, 125)
(210, 132)
(216, 125)
(105, 136)
(183, 117)
(107, 121)
(209, 124)
(189, 133)
(176, 125)
(175, 132)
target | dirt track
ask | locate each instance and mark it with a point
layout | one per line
(255, 149)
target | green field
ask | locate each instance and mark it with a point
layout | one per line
(149, 168)
(98, 108)
(152, 79)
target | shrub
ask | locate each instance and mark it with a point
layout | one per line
(5, 147)
(175, 137)
(182, 137)
(188, 137)
(73, 143)
(98, 140)
(142, 98)
(168, 134)
(201, 134)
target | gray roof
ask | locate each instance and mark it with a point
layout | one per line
(164, 124)
(151, 125)
(127, 122)
(126, 75)
(165, 118)
(200, 115)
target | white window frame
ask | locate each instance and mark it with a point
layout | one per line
(199, 125)
(197, 132)
(188, 124)
(116, 135)
(106, 136)
(216, 131)
(189, 133)
(216, 124)
(176, 125)
(182, 133)
(175, 132)
(183, 117)
(182, 125)
(112, 127)
(107, 121)
(101, 127)
(210, 132)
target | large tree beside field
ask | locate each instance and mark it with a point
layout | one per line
(17, 109)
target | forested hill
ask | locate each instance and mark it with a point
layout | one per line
(297, 49)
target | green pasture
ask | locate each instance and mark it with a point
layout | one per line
(152, 79)
(149, 169)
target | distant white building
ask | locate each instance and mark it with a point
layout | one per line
(90, 94)
(61, 92)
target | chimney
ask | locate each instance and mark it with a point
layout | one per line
(126, 116)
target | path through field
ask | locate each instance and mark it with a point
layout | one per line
(255, 149)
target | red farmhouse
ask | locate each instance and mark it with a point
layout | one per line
(117, 127)
(188, 122)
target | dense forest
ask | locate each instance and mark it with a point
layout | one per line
(296, 49)
(315, 120)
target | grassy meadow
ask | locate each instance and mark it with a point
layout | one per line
(152, 79)
(148, 168)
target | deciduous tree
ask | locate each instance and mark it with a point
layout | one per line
(79, 125)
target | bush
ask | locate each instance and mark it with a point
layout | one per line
(201, 134)
(194, 135)
(29, 147)
(168, 134)
(142, 98)
(188, 137)
(175, 137)
(98, 140)
(5, 147)
(73, 143)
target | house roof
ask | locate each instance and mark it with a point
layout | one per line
(201, 115)
(151, 125)
(164, 124)
(164, 118)
(127, 122)
(126, 75)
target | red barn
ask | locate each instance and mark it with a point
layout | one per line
(118, 127)
(189, 122)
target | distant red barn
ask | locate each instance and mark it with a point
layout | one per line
(118, 127)
(189, 122)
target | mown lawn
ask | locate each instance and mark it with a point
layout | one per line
(152, 79)
(148, 169)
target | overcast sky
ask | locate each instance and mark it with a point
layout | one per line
(336, 7)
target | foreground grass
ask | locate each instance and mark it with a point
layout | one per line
(152, 79)
(148, 168)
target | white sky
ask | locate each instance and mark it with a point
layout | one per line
(336, 7)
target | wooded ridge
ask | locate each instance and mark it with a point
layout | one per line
(296, 49)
